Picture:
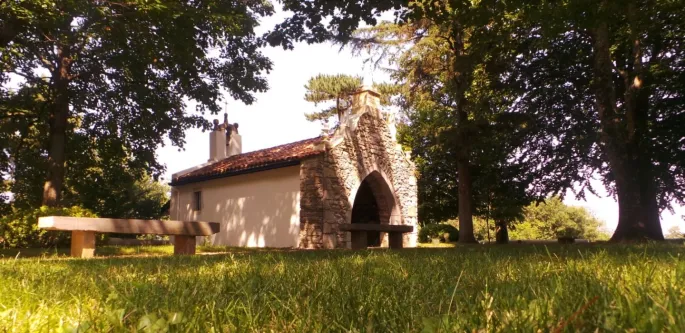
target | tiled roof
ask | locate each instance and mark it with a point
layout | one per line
(269, 158)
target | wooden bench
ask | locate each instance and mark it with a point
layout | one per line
(83, 231)
(359, 233)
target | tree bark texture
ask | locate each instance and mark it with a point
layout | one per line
(623, 139)
(59, 114)
(465, 184)
(501, 233)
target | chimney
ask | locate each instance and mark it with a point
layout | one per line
(364, 99)
(234, 142)
(217, 143)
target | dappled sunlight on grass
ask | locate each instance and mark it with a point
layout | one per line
(495, 288)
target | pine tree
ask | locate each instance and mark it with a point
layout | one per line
(325, 88)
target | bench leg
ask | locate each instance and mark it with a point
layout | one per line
(184, 245)
(82, 244)
(360, 240)
(395, 240)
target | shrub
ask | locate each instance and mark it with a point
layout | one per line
(19, 228)
(445, 232)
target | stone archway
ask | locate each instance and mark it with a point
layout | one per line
(374, 202)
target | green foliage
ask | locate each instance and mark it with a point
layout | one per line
(488, 289)
(19, 228)
(675, 233)
(552, 219)
(121, 195)
(605, 82)
(111, 79)
(331, 88)
(438, 230)
(324, 20)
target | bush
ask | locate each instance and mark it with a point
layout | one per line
(19, 228)
(445, 232)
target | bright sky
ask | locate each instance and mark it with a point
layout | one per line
(277, 117)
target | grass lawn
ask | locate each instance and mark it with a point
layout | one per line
(491, 288)
(118, 251)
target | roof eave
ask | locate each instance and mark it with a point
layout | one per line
(202, 178)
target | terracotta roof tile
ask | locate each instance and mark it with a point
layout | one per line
(259, 159)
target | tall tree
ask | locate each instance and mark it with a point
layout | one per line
(448, 64)
(606, 83)
(121, 72)
(331, 88)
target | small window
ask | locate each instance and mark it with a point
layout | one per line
(197, 200)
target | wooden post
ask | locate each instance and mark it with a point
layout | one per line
(82, 244)
(395, 240)
(360, 240)
(184, 245)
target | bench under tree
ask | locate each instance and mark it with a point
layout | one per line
(83, 231)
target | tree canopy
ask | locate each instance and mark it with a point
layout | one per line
(604, 85)
(116, 78)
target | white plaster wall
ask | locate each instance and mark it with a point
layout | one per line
(259, 209)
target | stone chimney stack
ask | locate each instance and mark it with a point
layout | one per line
(217, 143)
(364, 99)
(224, 140)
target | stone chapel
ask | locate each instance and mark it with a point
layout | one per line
(298, 194)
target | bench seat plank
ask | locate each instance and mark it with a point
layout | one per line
(129, 226)
(376, 227)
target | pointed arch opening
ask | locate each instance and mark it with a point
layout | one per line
(374, 202)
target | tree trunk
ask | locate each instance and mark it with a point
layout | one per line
(465, 184)
(59, 114)
(638, 212)
(501, 233)
(7, 33)
(459, 69)
(623, 141)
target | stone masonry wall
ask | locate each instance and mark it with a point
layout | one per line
(311, 202)
(330, 181)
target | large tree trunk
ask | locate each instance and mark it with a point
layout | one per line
(59, 114)
(638, 212)
(460, 68)
(465, 184)
(501, 233)
(623, 141)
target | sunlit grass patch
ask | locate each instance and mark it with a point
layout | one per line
(492, 288)
(126, 250)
